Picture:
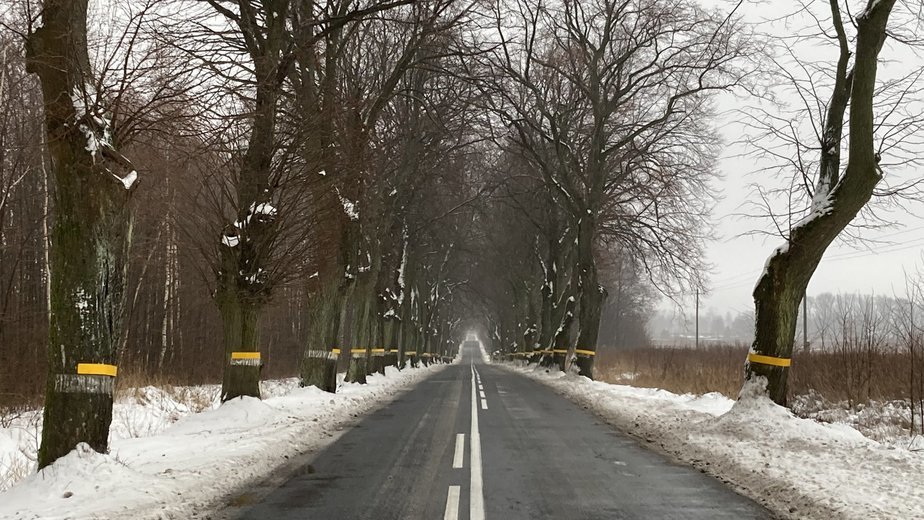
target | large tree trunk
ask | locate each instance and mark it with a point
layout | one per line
(591, 297)
(89, 238)
(240, 321)
(836, 202)
(319, 363)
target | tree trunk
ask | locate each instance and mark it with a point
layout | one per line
(356, 371)
(240, 320)
(591, 297)
(319, 363)
(319, 369)
(89, 237)
(789, 270)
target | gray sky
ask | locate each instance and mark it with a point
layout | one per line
(738, 260)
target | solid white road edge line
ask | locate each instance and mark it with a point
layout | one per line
(460, 451)
(452, 503)
(476, 492)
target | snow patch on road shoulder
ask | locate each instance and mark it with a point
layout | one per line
(191, 465)
(798, 468)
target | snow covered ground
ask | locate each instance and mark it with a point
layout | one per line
(174, 453)
(799, 468)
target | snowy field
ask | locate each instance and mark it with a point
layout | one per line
(174, 453)
(798, 468)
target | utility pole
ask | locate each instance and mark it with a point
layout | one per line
(697, 318)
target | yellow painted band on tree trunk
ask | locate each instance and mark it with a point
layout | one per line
(335, 351)
(769, 360)
(585, 352)
(410, 352)
(245, 355)
(357, 350)
(560, 351)
(378, 351)
(393, 351)
(96, 369)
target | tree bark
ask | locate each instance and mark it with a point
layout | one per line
(240, 323)
(89, 237)
(591, 297)
(319, 364)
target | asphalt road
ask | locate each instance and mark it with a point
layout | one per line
(475, 442)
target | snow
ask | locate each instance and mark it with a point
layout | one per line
(402, 268)
(84, 102)
(174, 453)
(798, 468)
(349, 207)
(81, 300)
(230, 241)
(253, 278)
(780, 250)
(92, 141)
(264, 208)
(78, 98)
(129, 180)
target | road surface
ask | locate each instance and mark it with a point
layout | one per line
(478, 442)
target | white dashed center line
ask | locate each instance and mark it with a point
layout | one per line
(476, 491)
(452, 503)
(460, 451)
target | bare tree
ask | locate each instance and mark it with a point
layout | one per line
(840, 192)
(609, 100)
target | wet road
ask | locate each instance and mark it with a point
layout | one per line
(475, 441)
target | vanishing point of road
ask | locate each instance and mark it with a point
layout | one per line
(479, 442)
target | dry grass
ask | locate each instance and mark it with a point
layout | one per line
(678, 370)
(852, 376)
(131, 383)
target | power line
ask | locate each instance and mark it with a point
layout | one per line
(733, 281)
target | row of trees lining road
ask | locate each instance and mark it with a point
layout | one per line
(237, 189)
(305, 145)
(607, 112)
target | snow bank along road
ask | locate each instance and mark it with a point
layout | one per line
(475, 441)
(162, 468)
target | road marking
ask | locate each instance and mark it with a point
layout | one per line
(476, 491)
(484, 404)
(452, 503)
(481, 392)
(460, 451)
